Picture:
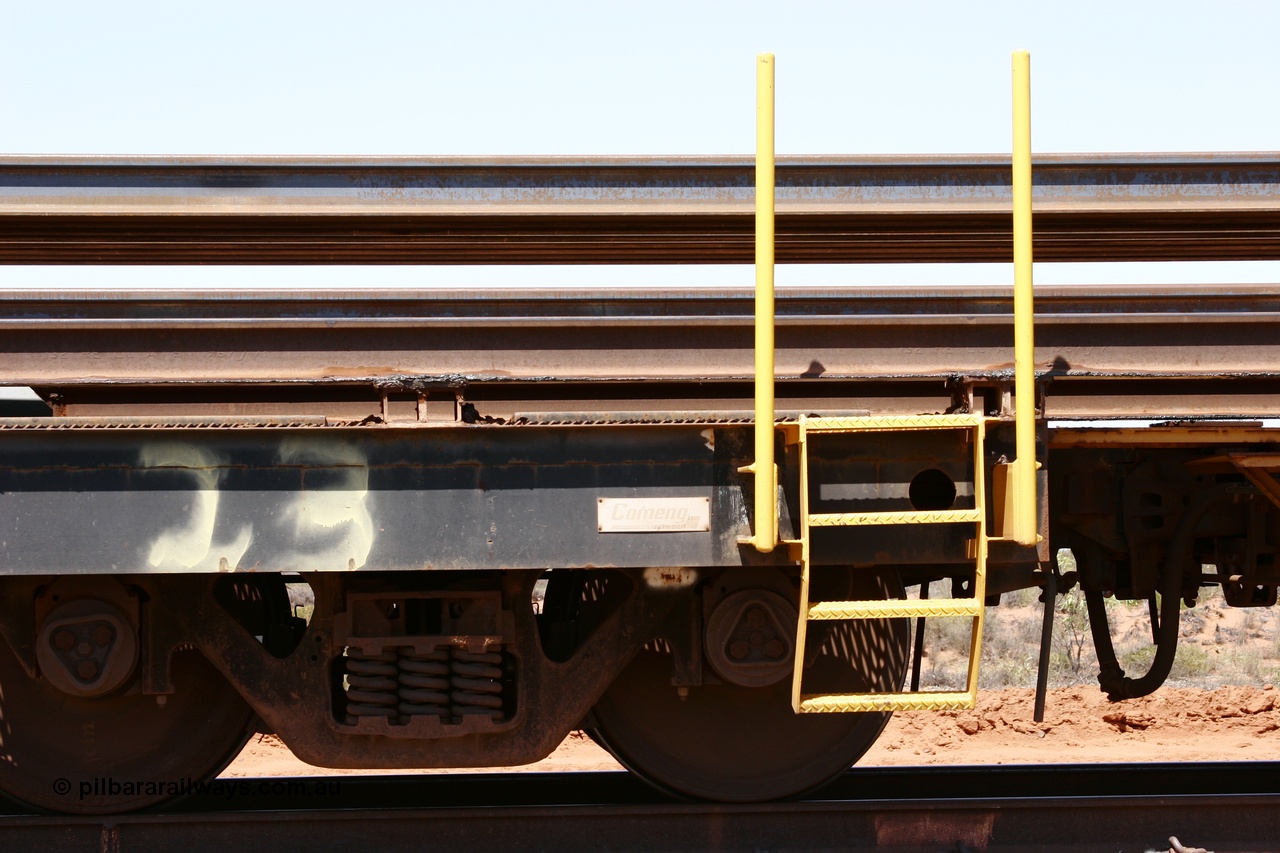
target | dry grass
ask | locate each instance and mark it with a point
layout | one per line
(1218, 645)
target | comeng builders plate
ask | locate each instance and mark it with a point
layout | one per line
(653, 515)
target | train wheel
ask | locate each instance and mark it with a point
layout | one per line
(741, 742)
(119, 751)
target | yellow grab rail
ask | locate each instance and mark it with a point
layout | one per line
(766, 472)
(1023, 469)
(1021, 494)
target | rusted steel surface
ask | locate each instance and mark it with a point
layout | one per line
(1171, 434)
(1169, 351)
(119, 498)
(611, 210)
(870, 808)
(345, 500)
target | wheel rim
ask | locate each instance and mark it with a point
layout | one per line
(116, 753)
(744, 744)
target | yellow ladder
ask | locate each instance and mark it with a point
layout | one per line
(892, 609)
(1015, 482)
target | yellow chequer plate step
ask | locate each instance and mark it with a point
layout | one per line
(870, 423)
(863, 519)
(848, 703)
(839, 610)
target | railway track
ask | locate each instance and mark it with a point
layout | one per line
(1220, 806)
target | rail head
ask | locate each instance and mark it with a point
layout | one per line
(1125, 305)
(903, 208)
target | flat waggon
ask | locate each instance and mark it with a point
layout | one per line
(436, 528)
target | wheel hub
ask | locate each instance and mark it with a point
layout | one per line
(86, 648)
(750, 638)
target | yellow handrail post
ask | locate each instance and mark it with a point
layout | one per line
(766, 473)
(1023, 473)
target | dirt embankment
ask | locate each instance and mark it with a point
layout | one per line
(1080, 725)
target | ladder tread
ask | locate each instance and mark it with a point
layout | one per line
(932, 607)
(864, 519)
(832, 703)
(871, 423)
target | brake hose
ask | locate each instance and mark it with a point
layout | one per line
(1111, 677)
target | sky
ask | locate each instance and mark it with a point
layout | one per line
(649, 78)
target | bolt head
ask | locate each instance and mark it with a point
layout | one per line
(775, 649)
(87, 670)
(739, 650)
(755, 617)
(102, 634)
(64, 640)
(84, 648)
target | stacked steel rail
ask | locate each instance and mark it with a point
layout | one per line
(612, 210)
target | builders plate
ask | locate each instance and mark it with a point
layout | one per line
(653, 515)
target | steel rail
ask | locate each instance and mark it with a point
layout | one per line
(1222, 806)
(610, 210)
(268, 336)
(354, 309)
(1166, 352)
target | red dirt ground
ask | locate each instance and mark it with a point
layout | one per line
(1081, 726)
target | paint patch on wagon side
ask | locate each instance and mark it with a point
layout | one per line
(189, 545)
(331, 526)
(653, 515)
(670, 578)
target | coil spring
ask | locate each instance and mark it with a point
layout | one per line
(477, 684)
(371, 685)
(447, 683)
(424, 684)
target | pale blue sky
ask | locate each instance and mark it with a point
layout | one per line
(611, 78)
